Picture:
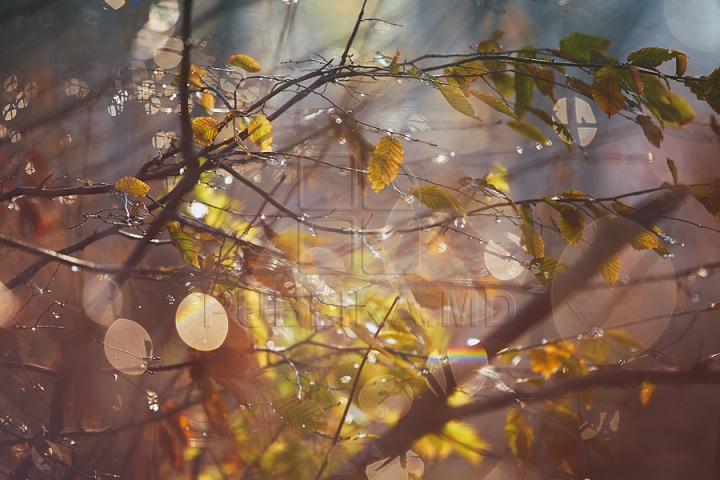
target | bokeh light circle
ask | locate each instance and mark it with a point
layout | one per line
(7, 304)
(500, 257)
(128, 346)
(385, 398)
(102, 299)
(201, 322)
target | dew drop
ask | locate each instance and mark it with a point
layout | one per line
(519, 149)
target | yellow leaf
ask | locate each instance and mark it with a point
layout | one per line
(545, 269)
(646, 392)
(207, 100)
(469, 71)
(437, 198)
(385, 162)
(625, 340)
(394, 69)
(606, 91)
(644, 240)
(195, 77)
(245, 62)
(572, 224)
(680, 64)
(337, 457)
(610, 270)
(465, 440)
(594, 350)
(301, 414)
(184, 243)
(260, 133)
(302, 311)
(493, 102)
(530, 239)
(519, 436)
(133, 186)
(454, 96)
(544, 361)
(205, 129)
(528, 130)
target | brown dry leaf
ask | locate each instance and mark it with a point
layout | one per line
(230, 365)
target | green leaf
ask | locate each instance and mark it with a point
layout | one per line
(385, 163)
(528, 130)
(437, 198)
(673, 170)
(574, 195)
(245, 62)
(493, 102)
(625, 340)
(651, 57)
(524, 84)
(519, 436)
(561, 449)
(454, 96)
(260, 133)
(668, 107)
(301, 414)
(610, 270)
(606, 91)
(712, 90)
(577, 46)
(504, 82)
(652, 132)
(133, 186)
(184, 243)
